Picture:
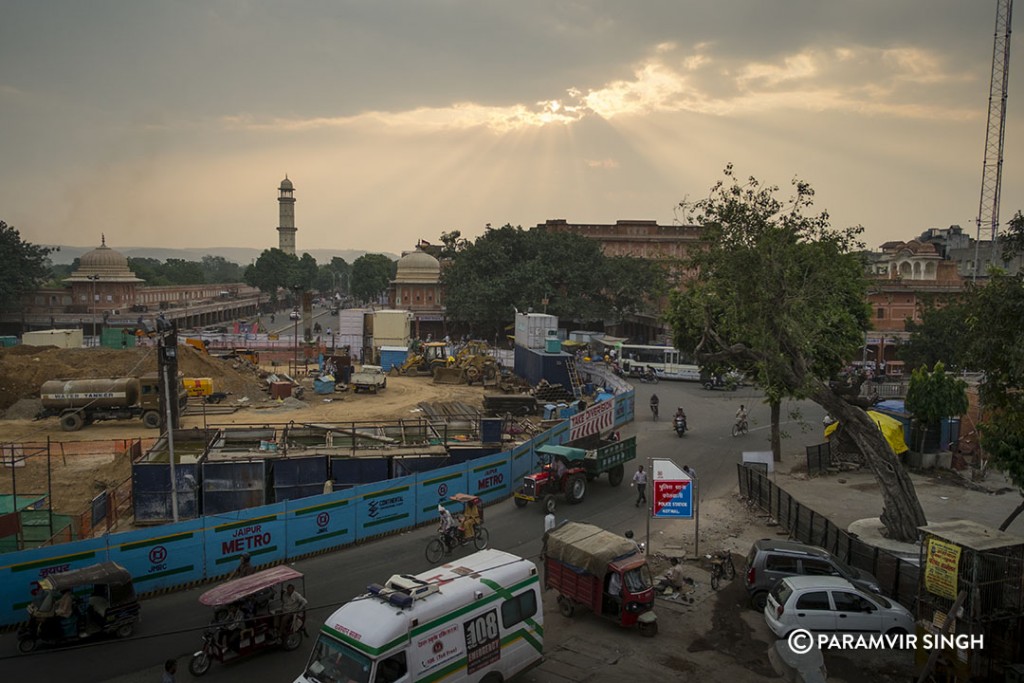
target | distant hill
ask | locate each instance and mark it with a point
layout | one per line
(240, 255)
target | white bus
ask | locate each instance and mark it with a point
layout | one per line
(666, 362)
(475, 619)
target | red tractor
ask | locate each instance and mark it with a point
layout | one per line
(557, 474)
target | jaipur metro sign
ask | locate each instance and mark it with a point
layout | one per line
(673, 491)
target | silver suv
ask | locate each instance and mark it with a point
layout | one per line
(770, 560)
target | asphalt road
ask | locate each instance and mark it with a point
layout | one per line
(172, 624)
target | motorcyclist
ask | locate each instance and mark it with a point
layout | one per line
(654, 405)
(679, 419)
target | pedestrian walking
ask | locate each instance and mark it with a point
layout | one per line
(170, 668)
(640, 481)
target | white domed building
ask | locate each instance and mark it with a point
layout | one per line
(417, 289)
(103, 281)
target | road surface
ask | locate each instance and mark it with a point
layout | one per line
(172, 624)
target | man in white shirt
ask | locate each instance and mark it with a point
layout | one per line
(640, 482)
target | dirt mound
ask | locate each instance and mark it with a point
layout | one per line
(23, 369)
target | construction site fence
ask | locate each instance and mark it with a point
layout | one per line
(182, 553)
(897, 577)
(41, 526)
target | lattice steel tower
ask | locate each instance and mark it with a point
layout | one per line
(992, 169)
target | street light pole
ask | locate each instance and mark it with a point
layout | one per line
(92, 303)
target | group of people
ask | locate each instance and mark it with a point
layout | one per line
(243, 615)
(57, 615)
(455, 530)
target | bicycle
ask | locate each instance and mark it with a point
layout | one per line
(721, 567)
(446, 542)
(739, 428)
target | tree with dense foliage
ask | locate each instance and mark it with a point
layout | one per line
(23, 266)
(995, 346)
(371, 275)
(635, 286)
(1012, 241)
(780, 296)
(274, 269)
(453, 243)
(509, 269)
(306, 272)
(181, 272)
(933, 395)
(217, 269)
(938, 337)
(343, 270)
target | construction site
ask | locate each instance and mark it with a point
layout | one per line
(72, 481)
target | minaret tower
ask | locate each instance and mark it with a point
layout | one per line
(286, 228)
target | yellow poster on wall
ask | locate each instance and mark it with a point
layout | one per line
(941, 568)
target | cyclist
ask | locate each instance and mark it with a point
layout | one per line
(741, 417)
(654, 405)
(448, 524)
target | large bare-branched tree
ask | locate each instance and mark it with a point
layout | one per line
(780, 295)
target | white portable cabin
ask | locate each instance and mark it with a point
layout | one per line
(474, 616)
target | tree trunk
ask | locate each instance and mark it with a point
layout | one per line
(1013, 515)
(776, 406)
(901, 510)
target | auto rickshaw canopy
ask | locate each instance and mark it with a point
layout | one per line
(241, 588)
(102, 574)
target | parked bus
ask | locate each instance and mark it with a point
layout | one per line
(666, 362)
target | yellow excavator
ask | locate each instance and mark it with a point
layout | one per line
(471, 364)
(426, 361)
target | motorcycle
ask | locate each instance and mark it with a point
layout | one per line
(680, 425)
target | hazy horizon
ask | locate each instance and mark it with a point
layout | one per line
(172, 124)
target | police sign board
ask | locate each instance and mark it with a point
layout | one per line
(673, 491)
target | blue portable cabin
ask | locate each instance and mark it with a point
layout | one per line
(535, 365)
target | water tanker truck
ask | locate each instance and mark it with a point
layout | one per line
(78, 402)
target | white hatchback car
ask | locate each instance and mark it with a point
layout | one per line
(824, 604)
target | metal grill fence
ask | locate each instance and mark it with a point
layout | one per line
(897, 577)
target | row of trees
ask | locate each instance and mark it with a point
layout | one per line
(365, 279)
(508, 269)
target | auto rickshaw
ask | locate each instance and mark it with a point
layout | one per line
(73, 606)
(248, 617)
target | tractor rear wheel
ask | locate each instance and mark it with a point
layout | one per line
(576, 488)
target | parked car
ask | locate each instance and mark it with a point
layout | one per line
(832, 604)
(770, 560)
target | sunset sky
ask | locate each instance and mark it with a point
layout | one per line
(171, 123)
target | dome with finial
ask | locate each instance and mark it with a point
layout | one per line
(418, 266)
(286, 184)
(104, 262)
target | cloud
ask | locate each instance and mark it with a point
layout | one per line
(851, 78)
(604, 164)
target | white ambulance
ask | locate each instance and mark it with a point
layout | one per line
(475, 619)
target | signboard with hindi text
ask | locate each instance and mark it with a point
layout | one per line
(673, 491)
